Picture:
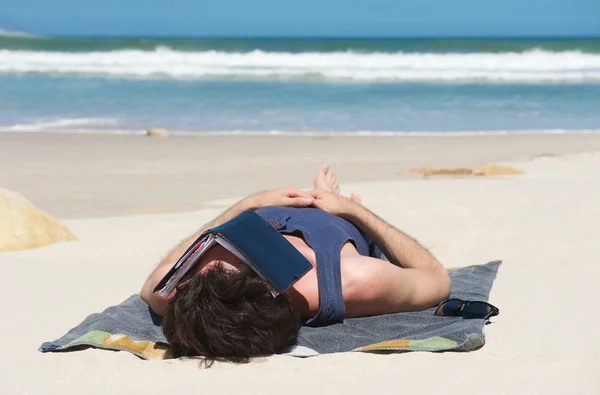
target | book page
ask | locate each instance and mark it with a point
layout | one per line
(231, 248)
(187, 262)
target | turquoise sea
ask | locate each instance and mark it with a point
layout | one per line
(287, 85)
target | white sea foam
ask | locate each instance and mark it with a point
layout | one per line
(60, 124)
(535, 66)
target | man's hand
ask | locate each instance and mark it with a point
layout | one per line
(331, 202)
(285, 197)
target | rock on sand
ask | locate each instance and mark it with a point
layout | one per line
(157, 133)
(23, 226)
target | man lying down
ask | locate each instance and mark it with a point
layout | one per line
(225, 311)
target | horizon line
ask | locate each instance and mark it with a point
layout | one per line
(27, 35)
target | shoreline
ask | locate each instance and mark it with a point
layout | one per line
(92, 175)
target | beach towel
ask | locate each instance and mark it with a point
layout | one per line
(132, 327)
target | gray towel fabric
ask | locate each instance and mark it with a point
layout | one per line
(130, 326)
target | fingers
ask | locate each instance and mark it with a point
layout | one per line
(316, 204)
(315, 193)
(304, 201)
(295, 192)
(297, 198)
(296, 202)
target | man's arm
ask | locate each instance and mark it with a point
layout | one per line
(417, 280)
(401, 249)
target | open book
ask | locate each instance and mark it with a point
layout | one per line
(249, 237)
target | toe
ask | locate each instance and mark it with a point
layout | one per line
(321, 180)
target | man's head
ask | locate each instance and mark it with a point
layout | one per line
(225, 314)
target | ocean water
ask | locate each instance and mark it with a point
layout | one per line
(369, 86)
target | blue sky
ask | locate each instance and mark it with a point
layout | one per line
(303, 18)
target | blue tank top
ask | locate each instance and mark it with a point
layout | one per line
(325, 234)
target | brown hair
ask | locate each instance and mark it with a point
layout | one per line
(226, 316)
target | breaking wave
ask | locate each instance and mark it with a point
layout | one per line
(533, 66)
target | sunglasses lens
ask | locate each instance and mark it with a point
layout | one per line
(466, 309)
(449, 307)
(477, 310)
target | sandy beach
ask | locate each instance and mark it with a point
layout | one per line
(130, 199)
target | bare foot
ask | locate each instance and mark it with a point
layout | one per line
(326, 180)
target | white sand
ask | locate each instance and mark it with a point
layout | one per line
(544, 225)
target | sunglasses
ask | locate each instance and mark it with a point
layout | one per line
(467, 309)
